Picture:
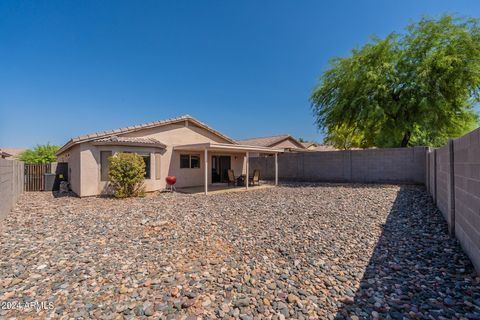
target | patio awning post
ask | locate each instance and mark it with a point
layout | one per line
(276, 169)
(206, 170)
(246, 176)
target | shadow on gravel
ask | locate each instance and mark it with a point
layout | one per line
(333, 184)
(416, 271)
(58, 194)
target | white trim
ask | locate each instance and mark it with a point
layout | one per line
(206, 171)
(276, 169)
(225, 147)
(247, 156)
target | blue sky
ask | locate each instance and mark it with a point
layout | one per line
(246, 68)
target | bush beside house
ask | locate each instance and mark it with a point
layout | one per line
(127, 174)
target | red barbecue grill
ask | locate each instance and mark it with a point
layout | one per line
(171, 180)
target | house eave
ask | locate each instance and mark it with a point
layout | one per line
(65, 147)
(225, 147)
(130, 144)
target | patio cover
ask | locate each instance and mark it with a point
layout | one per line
(210, 146)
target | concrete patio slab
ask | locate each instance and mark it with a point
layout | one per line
(222, 188)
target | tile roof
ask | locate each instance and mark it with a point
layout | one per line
(13, 151)
(325, 147)
(264, 141)
(309, 144)
(139, 140)
(102, 134)
(268, 141)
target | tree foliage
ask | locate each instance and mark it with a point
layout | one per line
(127, 174)
(415, 88)
(40, 154)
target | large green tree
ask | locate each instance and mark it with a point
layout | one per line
(40, 154)
(415, 88)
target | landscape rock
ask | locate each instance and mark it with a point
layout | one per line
(297, 251)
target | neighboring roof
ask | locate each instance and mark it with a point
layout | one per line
(309, 144)
(268, 141)
(324, 147)
(4, 154)
(130, 140)
(109, 133)
(14, 152)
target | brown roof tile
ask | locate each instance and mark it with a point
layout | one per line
(267, 141)
(131, 140)
(147, 125)
(263, 141)
(325, 147)
(14, 152)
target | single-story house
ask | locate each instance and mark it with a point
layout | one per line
(183, 147)
(285, 142)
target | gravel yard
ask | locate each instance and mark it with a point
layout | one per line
(303, 252)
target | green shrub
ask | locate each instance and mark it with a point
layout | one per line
(127, 175)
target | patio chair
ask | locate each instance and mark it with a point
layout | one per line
(231, 177)
(255, 178)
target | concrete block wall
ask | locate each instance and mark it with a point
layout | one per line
(467, 194)
(442, 196)
(432, 184)
(395, 165)
(454, 183)
(11, 184)
(335, 166)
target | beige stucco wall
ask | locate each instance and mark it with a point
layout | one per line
(195, 177)
(91, 183)
(178, 134)
(174, 135)
(87, 182)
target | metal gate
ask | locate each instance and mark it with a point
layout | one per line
(34, 176)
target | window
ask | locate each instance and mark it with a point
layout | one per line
(194, 161)
(157, 166)
(146, 159)
(184, 161)
(189, 161)
(104, 155)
